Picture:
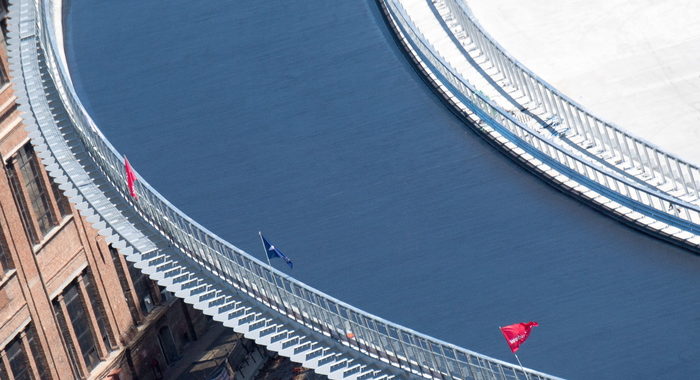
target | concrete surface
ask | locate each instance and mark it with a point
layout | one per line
(631, 62)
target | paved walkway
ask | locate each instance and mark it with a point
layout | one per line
(282, 369)
(205, 355)
(632, 62)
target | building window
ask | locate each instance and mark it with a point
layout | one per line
(4, 7)
(36, 189)
(21, 204)
(81, 317)
(124, 282)
(80, 321)
(145, 289)
(98, 309)
(63, 327)
(32, 195)
(5, 258)
(25, 173)
(3, 26)
(19, 364)
(38, 354)
(3, 74)
(61, 200)
(3, 371)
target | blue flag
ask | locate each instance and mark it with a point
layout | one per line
(273, 252)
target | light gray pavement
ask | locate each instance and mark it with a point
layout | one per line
(281, 368)
(205, 354)
(635, 63)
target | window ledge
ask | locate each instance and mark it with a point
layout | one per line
(52, 233)
(7, 276)
(9, 102)
(5, 86)
(7, 130)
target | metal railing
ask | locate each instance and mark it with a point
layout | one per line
(607, 140)
(635, 196)
(397, 346)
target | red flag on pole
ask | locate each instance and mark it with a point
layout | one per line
(517, 334)
(130, 178)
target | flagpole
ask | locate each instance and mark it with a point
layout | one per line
(265, 249)
(521, 366)
(270, 264)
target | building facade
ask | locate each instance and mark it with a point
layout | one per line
(71, 307)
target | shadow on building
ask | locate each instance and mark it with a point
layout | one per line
(221, 354)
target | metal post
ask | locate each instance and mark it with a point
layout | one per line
(272, 274)
(579, 123)
(645, 148)
(661, 169)
(521, 366)
(670, 173)
(680, 174)
(692, 179)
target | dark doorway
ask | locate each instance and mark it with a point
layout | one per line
(167, 344)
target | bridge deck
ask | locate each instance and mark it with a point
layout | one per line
(633, 63)
(547, 118)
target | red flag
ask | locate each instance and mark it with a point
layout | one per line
(517, 334)
(130, 178)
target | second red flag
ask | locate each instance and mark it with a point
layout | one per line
(517, 334)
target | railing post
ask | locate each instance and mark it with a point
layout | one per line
(670, 173)
(680, 177)
(694, 184)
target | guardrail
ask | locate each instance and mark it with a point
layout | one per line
(622, 190)
(614, 144)
(398, 347)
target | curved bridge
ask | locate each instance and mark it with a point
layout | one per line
(544, 130)
(277, 311)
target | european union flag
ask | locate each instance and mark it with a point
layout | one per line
(273, 252)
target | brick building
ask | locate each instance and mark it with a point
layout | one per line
(71, 307)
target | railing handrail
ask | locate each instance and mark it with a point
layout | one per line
(519, 65)
(493, 108)
(209, 249)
